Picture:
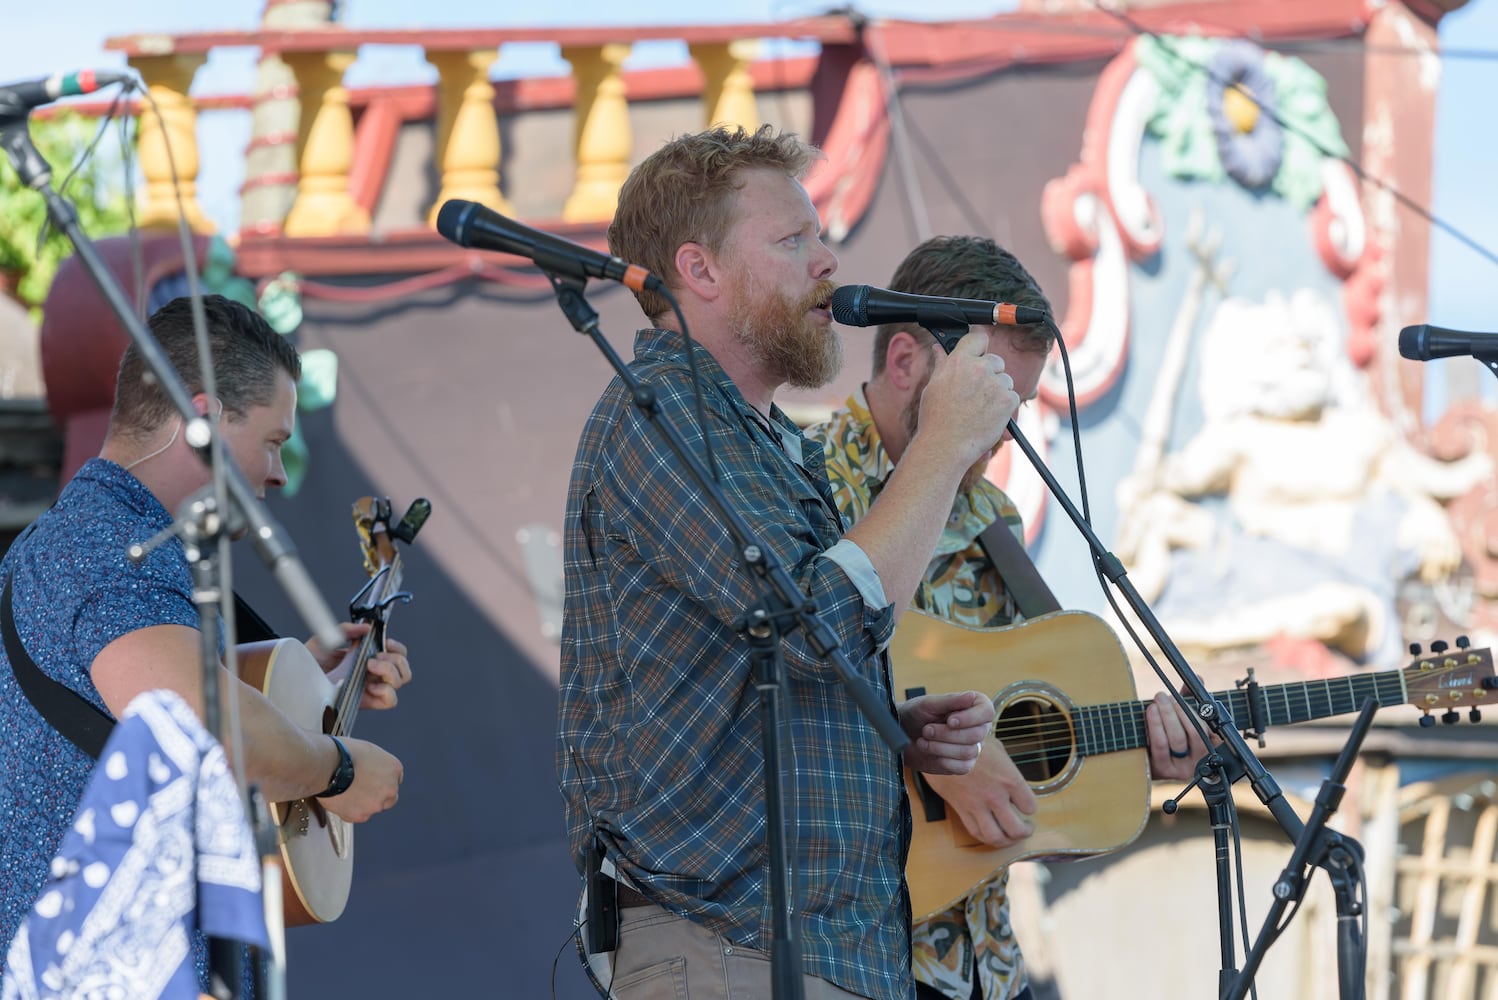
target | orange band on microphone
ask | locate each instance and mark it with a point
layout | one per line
(635, 277)
(1004, 314)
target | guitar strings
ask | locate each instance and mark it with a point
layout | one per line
(1056, 729)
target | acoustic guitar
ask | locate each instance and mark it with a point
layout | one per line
(1069, 719)
(317, 847)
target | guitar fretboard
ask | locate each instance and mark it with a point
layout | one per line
(1120, 726)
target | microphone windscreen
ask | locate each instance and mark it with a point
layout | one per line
(1413, 343)
(850, 305)
(452, 219)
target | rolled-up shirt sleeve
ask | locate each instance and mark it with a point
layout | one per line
(855, 563)
(860, 571)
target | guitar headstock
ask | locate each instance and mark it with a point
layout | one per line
(1446, 679)
(377, 536)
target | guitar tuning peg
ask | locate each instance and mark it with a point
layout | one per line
(1451, 717)
(1414, 649)
(410, 523)
(1475, 715)
(1439, 646)
(1462, 642)
(1427, 720)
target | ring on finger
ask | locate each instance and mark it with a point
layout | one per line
(1179, 754)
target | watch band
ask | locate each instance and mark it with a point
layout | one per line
(343, 774)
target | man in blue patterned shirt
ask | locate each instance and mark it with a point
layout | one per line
(109, 630)
(658, 744)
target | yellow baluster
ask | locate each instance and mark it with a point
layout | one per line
(468, 143)
(602, 141)
(325, 145)
(728, 91)
(270, 168)
(173, 123)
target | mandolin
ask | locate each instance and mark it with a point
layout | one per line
(317, 847)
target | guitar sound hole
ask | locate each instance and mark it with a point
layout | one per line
(1037, 736)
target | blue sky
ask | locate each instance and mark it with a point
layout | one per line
(53, 38)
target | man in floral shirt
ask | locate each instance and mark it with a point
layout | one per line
(969, 950)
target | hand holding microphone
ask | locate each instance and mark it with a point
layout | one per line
(969, 399)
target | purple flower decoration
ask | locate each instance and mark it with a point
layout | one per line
(1242, 104)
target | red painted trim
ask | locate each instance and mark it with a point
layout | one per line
(825, 29)
(284, 179)
(374, 147)
(511, 97)
(98, 109)
(1029, 39)
(270, 139)
(264, 254)
(266, 228)
(1019, 37)
(843, 183)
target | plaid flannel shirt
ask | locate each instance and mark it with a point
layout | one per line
(658, 737)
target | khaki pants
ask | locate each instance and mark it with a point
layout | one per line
(665, 957)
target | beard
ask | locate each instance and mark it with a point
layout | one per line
(781, 338)
(910, 419)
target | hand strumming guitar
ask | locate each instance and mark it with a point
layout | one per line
(994, 801)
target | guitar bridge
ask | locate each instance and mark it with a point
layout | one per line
(297, 820)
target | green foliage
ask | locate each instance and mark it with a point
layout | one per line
(96, 193)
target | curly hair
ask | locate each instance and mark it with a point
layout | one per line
(684, 193)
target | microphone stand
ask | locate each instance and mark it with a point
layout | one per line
(202, 521)
(781, 608)
(1342, 858)
(1227, 762)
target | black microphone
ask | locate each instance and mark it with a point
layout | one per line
(864, 305)
(469, 224)
(1426, 342)
(17, 99)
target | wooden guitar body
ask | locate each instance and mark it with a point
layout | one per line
(317, 847)
(1067, 717)
(1086, 804)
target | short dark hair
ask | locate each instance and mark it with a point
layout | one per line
(247, 356)
(965, 267)
(684, 193)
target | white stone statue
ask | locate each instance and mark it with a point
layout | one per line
(1297, 507)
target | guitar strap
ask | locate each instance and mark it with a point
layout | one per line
(64, 709)
(1021, 579)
